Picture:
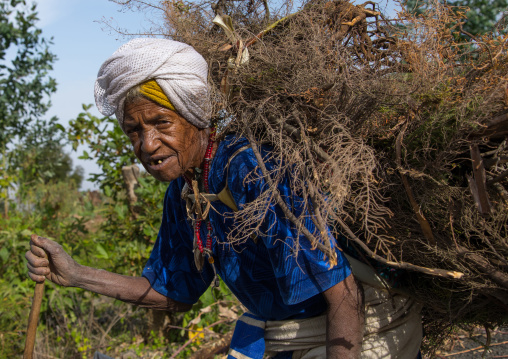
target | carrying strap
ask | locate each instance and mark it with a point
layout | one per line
(225, 195)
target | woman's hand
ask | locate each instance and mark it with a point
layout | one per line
(47, 259)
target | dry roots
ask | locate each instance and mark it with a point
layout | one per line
(393, 130)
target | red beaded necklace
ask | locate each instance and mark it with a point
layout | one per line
(197, 225)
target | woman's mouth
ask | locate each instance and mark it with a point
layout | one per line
(158, 163)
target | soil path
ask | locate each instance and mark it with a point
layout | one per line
(472, 345)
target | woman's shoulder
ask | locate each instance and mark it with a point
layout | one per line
(230, 147)
(230, 156)
(236, 148)
(230, 144)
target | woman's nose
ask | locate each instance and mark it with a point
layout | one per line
(150, 142)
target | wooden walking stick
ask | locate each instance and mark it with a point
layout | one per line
(33, 319)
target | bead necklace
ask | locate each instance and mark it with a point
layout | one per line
(207, 249)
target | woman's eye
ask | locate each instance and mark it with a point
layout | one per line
(164, 123)
(131, 130)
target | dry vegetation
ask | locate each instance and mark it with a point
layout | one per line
(396, 131)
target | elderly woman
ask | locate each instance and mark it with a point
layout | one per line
(158, 91)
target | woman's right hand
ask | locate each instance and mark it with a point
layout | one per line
(47, 259)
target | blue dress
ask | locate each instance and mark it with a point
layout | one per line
(267, 277)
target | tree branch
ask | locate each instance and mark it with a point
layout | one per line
(332, 256)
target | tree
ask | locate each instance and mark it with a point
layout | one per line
(42, 158)
(481, 17)
(25, 61)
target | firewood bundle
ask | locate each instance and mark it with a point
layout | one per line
(394, 130)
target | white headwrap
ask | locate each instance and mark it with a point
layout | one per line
(180, 71)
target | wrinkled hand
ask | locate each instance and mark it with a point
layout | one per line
(47, 259)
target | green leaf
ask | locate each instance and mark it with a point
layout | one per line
(102, 252)
(25, 233)
(84, 156)
(4, 254)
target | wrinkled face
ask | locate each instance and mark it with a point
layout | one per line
(166, 144)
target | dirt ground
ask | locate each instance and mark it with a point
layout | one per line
(472, 345)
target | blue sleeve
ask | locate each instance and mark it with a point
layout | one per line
(170, 269)
(299, 275)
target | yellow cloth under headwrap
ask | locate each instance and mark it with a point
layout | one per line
(153, 91)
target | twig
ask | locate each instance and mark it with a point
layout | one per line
(175, 354)
(474, 349)
(110, 326)
(402, 265)
(497, 120)
(478, 185)
(267, 11)
(287, 212)
(217, 347)
(494, 127)
(495, 151)
(293, 132)
(484, 265)
(453, 230)
(269, 28)
(317, 218)
(498, 178)
(502, 191)
(424, 224)
(489, 162)
(197, 203)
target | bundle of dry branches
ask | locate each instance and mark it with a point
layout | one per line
(395, 132)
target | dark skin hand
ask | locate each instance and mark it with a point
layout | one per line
(345, 319)
(61, 269)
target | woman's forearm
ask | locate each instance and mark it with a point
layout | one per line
(134, 290)
(46, 259)
(345, 320)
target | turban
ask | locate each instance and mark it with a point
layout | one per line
(153, 91)
(179, 70)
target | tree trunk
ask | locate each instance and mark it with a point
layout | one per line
(130, 177)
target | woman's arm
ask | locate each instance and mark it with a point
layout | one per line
(61, 269)
(345, 320)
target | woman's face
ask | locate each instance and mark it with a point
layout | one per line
(166, 144)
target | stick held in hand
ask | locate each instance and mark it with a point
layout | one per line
(33, 318)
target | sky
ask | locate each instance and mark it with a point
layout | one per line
(82, 42)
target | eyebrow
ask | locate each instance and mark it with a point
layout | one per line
(156, 118)
(128, 121)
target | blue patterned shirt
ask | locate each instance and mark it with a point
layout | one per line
(267, 277)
